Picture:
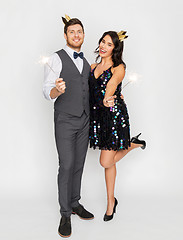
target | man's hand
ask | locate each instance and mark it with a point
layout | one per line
(60, 85)
(109, 102)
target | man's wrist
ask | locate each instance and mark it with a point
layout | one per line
(54, 93)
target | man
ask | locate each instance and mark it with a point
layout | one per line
(66, 84)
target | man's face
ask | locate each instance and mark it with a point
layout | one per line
(74, 36)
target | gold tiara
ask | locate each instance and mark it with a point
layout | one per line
(121, 35)
(66, 19)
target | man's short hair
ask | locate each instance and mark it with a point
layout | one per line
(72, 21)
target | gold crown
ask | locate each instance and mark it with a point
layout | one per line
(66, 19)
(121, 35)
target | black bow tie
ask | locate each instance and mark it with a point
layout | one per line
(81, 55)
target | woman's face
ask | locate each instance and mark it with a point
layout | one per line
(106, 47)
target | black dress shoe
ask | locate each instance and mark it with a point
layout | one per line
(82, 213)
(109, 217)
(136, 140)
(64, 229)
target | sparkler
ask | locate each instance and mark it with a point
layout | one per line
(44, 60)
(132, 78)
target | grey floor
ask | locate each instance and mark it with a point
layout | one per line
(137, 218)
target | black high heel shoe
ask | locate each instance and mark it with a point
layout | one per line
(109, 217)
(136, 140)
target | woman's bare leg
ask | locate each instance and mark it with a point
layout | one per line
(121, 153)
(110, 178)
(108, 160)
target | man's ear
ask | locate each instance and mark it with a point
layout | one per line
(65, 36)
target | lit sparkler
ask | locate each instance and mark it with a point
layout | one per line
(132, 78)
(44, 60)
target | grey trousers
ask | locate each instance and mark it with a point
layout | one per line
(71, 135)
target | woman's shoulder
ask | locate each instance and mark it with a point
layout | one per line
(119, 69)
(93, 66)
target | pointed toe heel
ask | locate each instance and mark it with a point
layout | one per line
(138, 141)
(110, 217)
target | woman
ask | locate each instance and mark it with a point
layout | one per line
(109, 120)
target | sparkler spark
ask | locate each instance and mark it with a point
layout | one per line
(44, 60)
(132, 78)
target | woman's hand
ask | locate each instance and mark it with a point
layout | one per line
(122, 97)
(109, 102)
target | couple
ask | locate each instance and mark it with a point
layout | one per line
(88, 105)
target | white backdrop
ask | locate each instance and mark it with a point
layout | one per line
(149, 183)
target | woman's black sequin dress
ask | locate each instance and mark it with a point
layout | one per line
(109, 127)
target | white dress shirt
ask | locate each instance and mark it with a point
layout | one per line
(56, 64)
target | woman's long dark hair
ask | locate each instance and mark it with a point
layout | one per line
(117, 51)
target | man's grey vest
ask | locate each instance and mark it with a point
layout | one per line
(76, 97)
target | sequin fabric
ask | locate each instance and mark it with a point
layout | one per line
(109, 127)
